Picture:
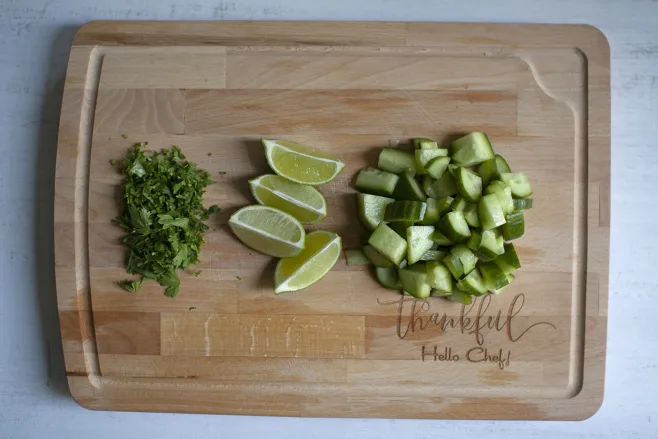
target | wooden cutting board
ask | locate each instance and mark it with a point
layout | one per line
(345, 347)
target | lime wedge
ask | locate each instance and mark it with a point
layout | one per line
(268, 230)
(318, 257)
(301, 164)
(305, 203)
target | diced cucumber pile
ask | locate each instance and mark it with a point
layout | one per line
(440, 219)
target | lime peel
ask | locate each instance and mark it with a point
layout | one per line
(301, 164)
(303, 202)
(268, 230)
(305, 265)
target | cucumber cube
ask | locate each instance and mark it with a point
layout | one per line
(418, 242)
(388, 243)
(414, 280)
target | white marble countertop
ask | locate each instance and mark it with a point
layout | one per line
(34, 42)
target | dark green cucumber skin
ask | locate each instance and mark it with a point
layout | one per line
(461, 297)
(458, 204)
(432, 213)
(443, 204)
(446, 228)
(477, 277)
(401, 227)
(511, 256)
(441, 239)
(481, 247)
(388, 278)
(493, 275)
(408, 188)
(509, 260)
(471, 215)
(465, 256)
(434, 255)
(514, 228)
(454, 266)
(484, 256)
(492, 168)
(522, 203)
(394, 211)
(474, 241)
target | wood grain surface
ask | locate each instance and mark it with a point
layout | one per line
(345, 347)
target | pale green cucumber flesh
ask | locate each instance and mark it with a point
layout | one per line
(490, 212)
(437, 167)
(387, 242)
(432, 214)
(439, 277)
(355, 256)
(371, 209)
(434, 255)
(469, 184)
(396, 160)
(445, 186)
(376, 258)
(374, 181)
(414, 280)
(418, 242)
(518, 183)
(472, 149)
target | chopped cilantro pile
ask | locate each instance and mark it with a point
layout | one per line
(163, 215)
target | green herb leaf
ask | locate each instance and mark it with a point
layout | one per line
(132, 286)
(168, 221)
(137, 169)
(170, 280)
(140, 219)
(163, 215)
(181, 256)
